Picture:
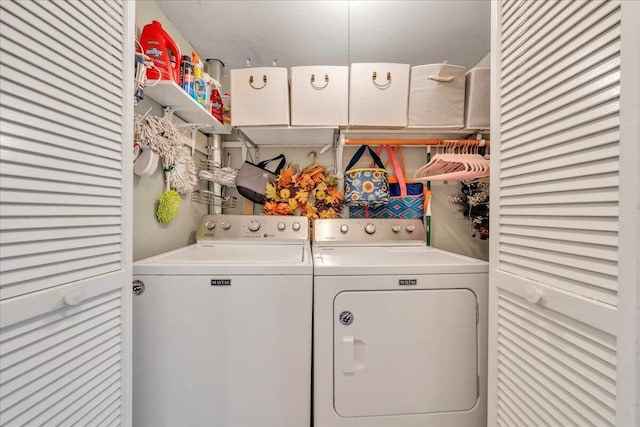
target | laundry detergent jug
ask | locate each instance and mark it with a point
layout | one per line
(163, 51)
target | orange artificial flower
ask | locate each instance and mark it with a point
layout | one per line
(283, 209)
(270, 207)
(285, 177)
(302, 196)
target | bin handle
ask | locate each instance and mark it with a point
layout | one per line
(381, 86)
(444, 79)
(264, 80)
(313, 81)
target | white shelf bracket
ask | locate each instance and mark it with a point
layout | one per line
(246, 141)
(168, 112)
(195, 127)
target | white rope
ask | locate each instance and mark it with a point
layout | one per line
(184, 176)
(223, 176)
(160, 135)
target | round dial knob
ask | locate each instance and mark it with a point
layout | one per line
(410, 228)
(281, 226)
(344, 228)
(210, 225)
(253, 225)
(396, 228)
(295, 226)
(225, 225)
(370, 228)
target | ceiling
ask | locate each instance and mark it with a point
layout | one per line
(297, 33)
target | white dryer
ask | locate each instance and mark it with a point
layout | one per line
(222, 328)
(400, 329)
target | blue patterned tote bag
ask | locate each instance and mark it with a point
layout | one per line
(366, 186)
(407, 198)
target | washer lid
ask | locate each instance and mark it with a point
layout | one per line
(228, 258)
(390, 260)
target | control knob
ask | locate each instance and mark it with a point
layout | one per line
(210, 225)
(396, 228)
(281, 226)
(253, 225)
(410, 228)
(295, 226)
(370, 228)
(344, 228)
(225, 225)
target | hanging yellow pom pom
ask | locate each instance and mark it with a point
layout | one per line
(168, 206)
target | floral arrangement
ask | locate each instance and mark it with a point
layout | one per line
(473, 200)
(310, 192)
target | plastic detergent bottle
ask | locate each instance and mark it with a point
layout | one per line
(158, 45)
(186, 74)
(199, 84)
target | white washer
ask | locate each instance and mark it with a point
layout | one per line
(400, 329)
(222, 330)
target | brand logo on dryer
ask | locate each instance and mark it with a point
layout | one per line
(346, 317)
(407, 282)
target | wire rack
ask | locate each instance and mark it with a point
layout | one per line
(207, 197)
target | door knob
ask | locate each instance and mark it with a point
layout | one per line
(532, 294)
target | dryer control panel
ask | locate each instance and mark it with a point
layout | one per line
(253, 228)
(368, 231)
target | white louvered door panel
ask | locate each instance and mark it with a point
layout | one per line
(66, 109)
(555, 250)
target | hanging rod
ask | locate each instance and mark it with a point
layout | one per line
(424, 142)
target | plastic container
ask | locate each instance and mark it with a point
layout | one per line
(187, 76)
(200, 93)
(158, 45)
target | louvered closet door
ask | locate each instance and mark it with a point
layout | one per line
(555, 250)
(65, 183)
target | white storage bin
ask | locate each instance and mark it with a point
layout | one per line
(259, 96)
(319, 96)
(378, 94)
(477, 104)
(436, 98)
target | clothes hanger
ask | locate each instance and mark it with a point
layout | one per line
(457, 164)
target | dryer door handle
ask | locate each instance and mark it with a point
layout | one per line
(348, 355)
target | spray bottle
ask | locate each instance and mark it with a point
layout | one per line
(215, 106)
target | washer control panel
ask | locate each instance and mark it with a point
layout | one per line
(368, 230)
(252, 227)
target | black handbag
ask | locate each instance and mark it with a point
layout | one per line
(252, 179)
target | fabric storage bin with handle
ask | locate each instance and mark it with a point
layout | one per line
(378, 94)
(407, 199)
(478, 95)
(252, 179)
(319, 96)
(260, 96)
(366, 186)
(436, 97)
